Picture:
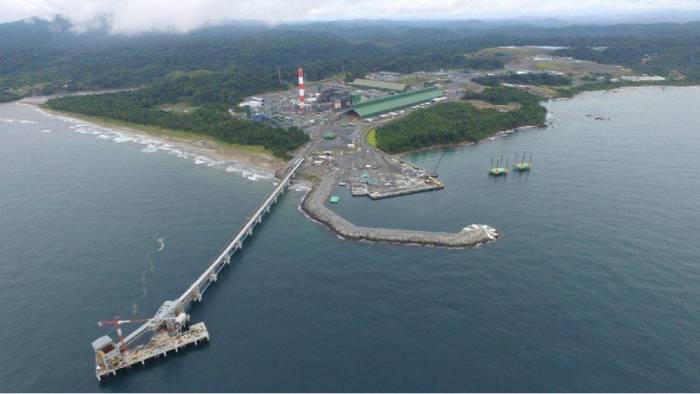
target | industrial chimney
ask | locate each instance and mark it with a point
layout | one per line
(300, 74)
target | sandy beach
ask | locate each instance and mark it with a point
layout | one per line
(245, 157)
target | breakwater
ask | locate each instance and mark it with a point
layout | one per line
(314, 206)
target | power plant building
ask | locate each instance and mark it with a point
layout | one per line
(397, 101)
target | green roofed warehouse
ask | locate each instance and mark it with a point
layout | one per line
(397, 101)
(379, 85)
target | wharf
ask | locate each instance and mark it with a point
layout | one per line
(313, 205)
(158, 346)
(378, 195)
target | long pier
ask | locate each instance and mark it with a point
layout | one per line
(170, 309)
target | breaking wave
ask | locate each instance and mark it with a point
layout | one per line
(151, 145)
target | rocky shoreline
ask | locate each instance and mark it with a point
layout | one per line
(313, 205)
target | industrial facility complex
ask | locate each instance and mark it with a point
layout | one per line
(338, 115)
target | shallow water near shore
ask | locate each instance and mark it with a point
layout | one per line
(594, 285)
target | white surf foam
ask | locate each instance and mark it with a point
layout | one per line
(123, 138)
(300, 188)
(256, 176)
(46, 131)
(150, 149)
(151, 145)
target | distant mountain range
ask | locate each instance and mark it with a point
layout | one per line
(60, 23)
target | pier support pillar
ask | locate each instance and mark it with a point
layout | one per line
(213, 277)
(197, 296)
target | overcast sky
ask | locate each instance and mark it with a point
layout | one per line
(134, 16)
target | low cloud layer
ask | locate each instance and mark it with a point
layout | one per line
(135, 16)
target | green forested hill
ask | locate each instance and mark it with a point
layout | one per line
(454, 122)
(46, 57)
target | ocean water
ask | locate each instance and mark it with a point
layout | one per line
(594, 286)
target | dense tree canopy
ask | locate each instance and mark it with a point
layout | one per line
(210, 92)
(459, 121)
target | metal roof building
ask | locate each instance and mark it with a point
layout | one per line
(381, 85)
(390, 103)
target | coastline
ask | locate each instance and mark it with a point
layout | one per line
(252, 158)
(466, 142)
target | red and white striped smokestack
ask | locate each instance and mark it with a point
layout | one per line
(300, 74)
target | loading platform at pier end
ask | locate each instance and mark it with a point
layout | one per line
(169, 324)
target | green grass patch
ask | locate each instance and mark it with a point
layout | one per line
(372, 138)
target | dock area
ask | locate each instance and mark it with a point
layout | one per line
(426, 187)
(158, 346)
(313, 205)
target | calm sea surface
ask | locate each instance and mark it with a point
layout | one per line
(594, 286)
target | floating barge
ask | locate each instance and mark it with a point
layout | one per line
(498, 169)
(522, 165)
